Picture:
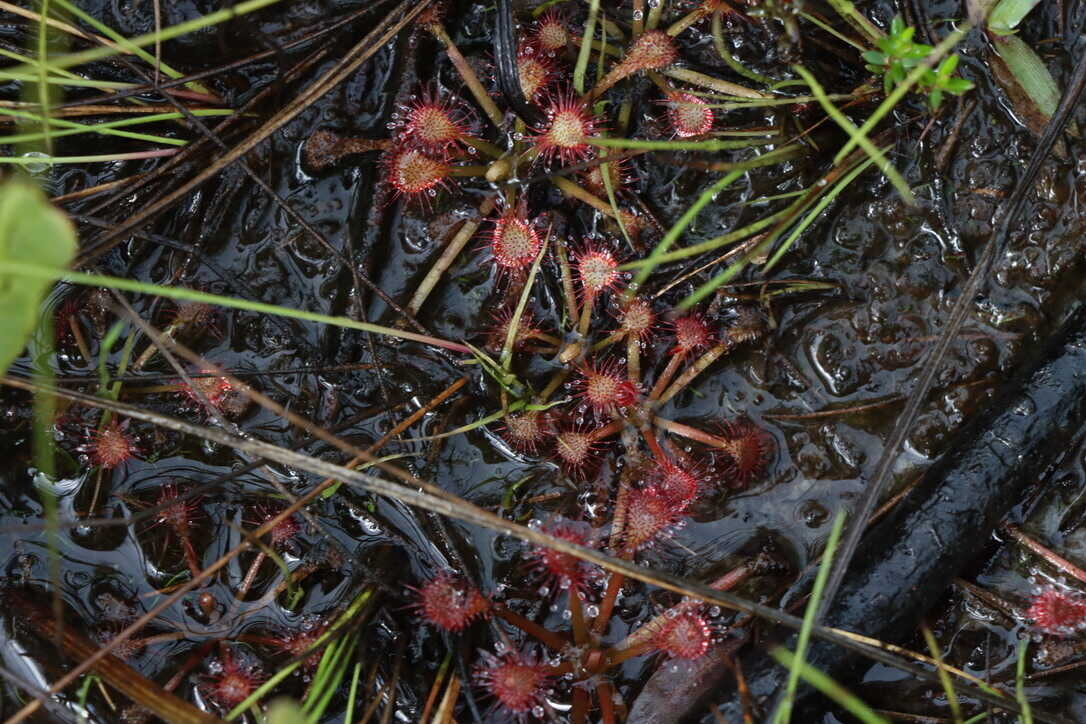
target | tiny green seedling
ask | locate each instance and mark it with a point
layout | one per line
(897, 54)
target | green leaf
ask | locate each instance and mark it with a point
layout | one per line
(284, 711)
(1006, 16)
(1023, 75)
(31, 232)
(949, 64)
(819, 680)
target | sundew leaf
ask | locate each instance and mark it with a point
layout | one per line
(31, 232)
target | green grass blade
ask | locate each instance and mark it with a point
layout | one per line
(334, 488)
(857, 136)
(813, 214)
(944, 677)
(811, 196)
(353, 693)
(712, 244)
(839, 694)
(857, 20)
(833, 31)
(33, 62)
(100, 53)
(586, 47)
(1020, 682)
(706, 196)
(192, 295)
(326, 683)
(514, 322)
(44, 99)
(37, 160)
(515, 406)
(605, 171)
(107, 127)
(716, 29)
(62, 81)
(353, 611)
(124, 43)
(783, 714)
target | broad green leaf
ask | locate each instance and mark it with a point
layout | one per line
(1023, 75)
(1008, 14)
(31, 232)
(284, 711)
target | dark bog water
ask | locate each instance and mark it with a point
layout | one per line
(894, 270)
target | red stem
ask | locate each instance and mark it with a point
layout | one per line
(666, 376)
(190, 555)
(654, 446)
(576, 612)
(547, 637)
(1052, 557)
(607, 606)
(607, 704)
(579, 715)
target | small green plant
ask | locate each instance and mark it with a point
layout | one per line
(31, 231)
(897, 54)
